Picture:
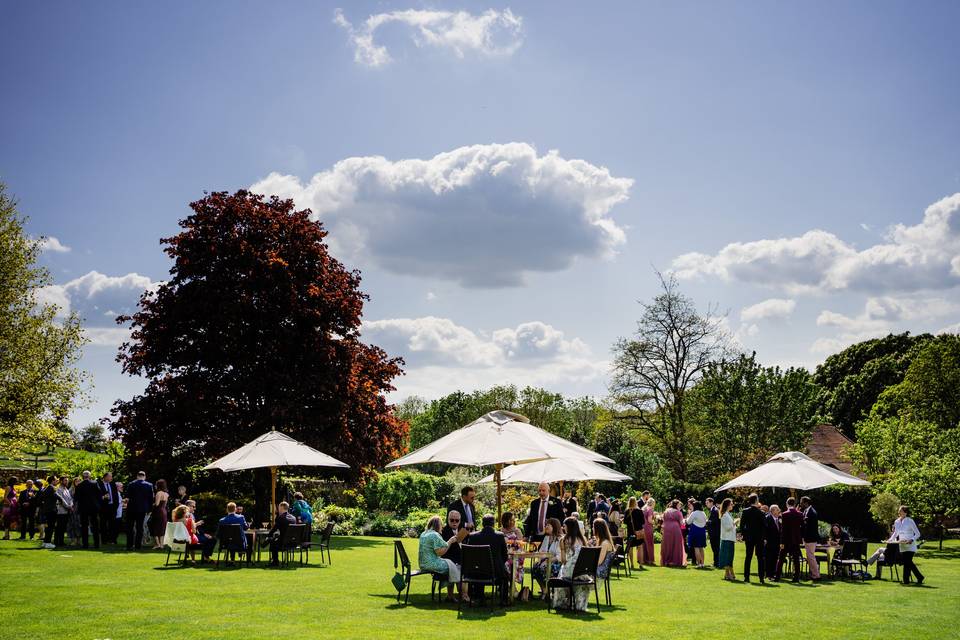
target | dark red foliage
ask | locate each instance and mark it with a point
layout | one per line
(257, 327)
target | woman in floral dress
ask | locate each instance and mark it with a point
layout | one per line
(514, 537)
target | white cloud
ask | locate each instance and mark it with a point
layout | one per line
(924, 256)
(482, 215)
(106, 336)
(491, 33)
(431, 296)
(770, 309)
(442, 356)
(49, 243)
(93, 294)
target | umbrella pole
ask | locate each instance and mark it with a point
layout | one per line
(496, 477)
(273, 493)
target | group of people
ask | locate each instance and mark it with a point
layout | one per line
(548, 526)
(98, 510)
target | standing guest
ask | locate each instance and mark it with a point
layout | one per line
(450, 531)
(88, 499)
(570, 547)
(905, 532)
(514, 538)
(713, 530)
(109, 498)
(464, 506)
(541, 509)
(811, 536)
(592, 507)
(301, 510)
(27, 506)
(277, 531)
(432, 554)
(569, 504)
(697, 532)
(728, 539)
(182, 496)
(139, 503)
(791, 538)
(614, 524)
(48, 511)
(498, 547)
(118, 514)
(64, 509)
(10, 506)
(549, 567)
(633, 518)
(648, 516)
(751, 525)
(158, 515)
(771, 541)
(671, 546)
(73, 524)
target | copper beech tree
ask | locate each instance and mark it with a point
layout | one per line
(258, 327)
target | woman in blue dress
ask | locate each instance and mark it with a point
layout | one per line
(697, 531)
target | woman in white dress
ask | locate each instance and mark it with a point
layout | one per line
(570, 547)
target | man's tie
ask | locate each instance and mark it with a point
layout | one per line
(467, 513)
(542, 521)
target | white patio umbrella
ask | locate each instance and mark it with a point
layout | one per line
(557, 470)
(793, 470)
(274, 449)
(496, 439)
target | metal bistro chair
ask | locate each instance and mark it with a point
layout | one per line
(620, 558)
(891, 558)
(306, 543)
(584, 573)
(401, 561)
(325, 542)
(231, 541)
(290, 541)
(852, 554)
(477, 568)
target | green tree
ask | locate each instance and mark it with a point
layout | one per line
(39, 383)
(92, 438)
(852, 380)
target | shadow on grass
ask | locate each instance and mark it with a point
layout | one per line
(932, 553)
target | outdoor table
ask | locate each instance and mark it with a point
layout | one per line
(521, 557)
(255, 538)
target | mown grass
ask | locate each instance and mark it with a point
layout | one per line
(74, 594)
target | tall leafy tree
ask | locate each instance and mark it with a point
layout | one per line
(852, 380)
(39, 381)
(654, 369)
(257, 328)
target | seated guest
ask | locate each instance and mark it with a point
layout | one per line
(449, 531)
(549, 567)
(432, 552)
(208, 542)
(242, 515)
(837, 535)
(498, 547)
(301, 509)
(182, 514)
(570, 546)
(283, 520)
(602, 538)
(233, 517)
(514, 538)
(543, 507)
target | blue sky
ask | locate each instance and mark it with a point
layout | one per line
(795, 164)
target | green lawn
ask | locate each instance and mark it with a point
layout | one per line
(76, 594)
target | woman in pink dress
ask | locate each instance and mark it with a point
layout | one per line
(648, 515)
(672, 553)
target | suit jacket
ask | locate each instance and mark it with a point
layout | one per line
(772, 530)
(281, 522)
(751, 524)
(234, 518)
(87, 497)
(713, 522)
(459, 506)
(139, 497)
(453, 552)
(111, 488)
(791, 527)
(811, 525)
(554, 510)
(498, 546)
(569, 506)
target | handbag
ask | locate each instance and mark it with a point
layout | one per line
(399, 582)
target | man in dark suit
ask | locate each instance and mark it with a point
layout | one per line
(791, 537)
(541, 510)
(109, 499)
(713, 530)
(278, 530)
(569, 504)
(87, 501)
(498, 547)
(751, 525)
(464, 506)
(771, 541)
(139, 503)
(811, 536)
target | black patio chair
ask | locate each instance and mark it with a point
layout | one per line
(477, 568)
(231, 542)
(290, 540)
(852, 554)
(891, 558)
(584, 573)
(401, 562)
(325, 542)
(306, 543)
(620, 556)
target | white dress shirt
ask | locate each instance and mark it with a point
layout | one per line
(906, 529)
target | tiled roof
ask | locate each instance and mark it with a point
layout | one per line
(828, 446)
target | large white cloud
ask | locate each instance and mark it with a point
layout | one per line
(482, 215)
(96, 297)
(919, 257)
(442, 356)
(50, 243)
(491, 33)
(770, 309)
